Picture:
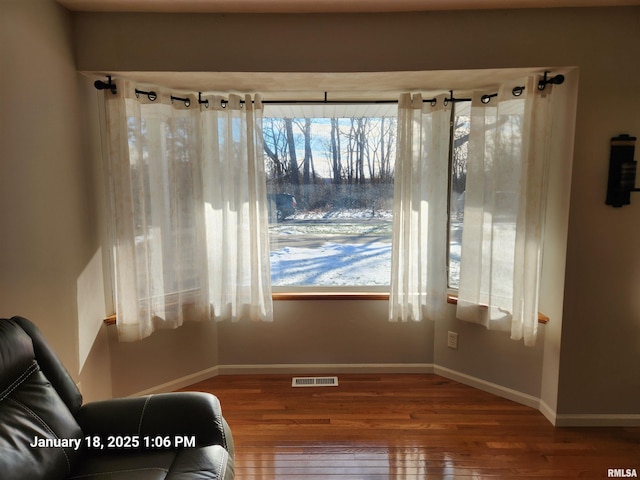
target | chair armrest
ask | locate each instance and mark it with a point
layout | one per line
(180, 414)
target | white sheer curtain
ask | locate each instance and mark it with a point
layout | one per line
(236, 213)
(418, 262)
(504, 210)
(169, 164)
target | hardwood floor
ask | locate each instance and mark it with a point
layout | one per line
(405, 427)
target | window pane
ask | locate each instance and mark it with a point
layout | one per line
(330, 195)
(461, 125)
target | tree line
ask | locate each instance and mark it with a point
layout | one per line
(323, 161)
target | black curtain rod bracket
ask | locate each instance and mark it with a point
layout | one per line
(556, 80)
(201, 101)
(452, 99)
(109, 85)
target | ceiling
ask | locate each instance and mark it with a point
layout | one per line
(322, 6)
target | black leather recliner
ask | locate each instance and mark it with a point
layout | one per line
(47, 433)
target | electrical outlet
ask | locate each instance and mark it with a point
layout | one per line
(452, 340)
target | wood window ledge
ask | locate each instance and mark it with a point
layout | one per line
(452, 299)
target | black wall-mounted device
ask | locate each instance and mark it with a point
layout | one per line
(622, 171)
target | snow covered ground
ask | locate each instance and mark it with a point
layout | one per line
(332, 264)
(338, 248)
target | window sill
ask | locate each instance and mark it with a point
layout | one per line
(452, 299)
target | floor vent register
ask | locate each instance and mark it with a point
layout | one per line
(314, 382)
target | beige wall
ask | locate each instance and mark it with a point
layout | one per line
(600, 354)
(164, 357)
(47, 198)
(324, 332)
(585, 362)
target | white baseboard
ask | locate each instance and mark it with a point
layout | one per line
(294, 369)
(597, 420)
(589, 420)
(334, 368)
(489, 387)
(549, 413)
(180, 382)
(559, 420)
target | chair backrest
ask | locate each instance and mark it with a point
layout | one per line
(51, 366)
(39, 435)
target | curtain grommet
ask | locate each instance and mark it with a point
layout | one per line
(152, 96)
(517, 91)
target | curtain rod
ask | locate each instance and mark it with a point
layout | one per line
(516, 91)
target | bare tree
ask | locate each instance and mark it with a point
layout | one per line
(275, 147)
(459, 160)
(336, 154)
(361, 144)
(293, 159)
(305, 193)
(359, 151)
(308, 169)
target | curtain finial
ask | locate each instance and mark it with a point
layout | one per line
(109, 85)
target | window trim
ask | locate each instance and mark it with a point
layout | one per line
(371, 109)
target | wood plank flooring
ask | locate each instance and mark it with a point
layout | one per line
(375, 427)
